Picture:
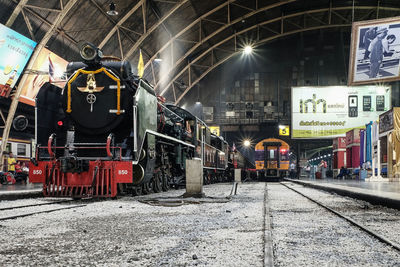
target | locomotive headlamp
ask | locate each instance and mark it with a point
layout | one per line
(89, 52)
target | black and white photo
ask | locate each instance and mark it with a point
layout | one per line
(375, 51)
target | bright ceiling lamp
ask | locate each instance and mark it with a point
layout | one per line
(246, 143)
(248, 49)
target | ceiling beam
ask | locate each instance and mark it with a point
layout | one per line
(120, 22)
(257, 44)
(265, 40)
(38, 49)
(43, 8)
(15, 13)
(69, 38)
(155, 26)
(223, 27)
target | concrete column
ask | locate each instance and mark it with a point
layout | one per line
(238, 175)
(194, 178)
(389, 156)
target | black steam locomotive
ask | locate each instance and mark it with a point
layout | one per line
(107, 133)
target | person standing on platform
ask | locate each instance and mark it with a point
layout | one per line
(376, 48)
(292, 170)
(298, 172)
(11, 163)
(308, 171)
(323, 165)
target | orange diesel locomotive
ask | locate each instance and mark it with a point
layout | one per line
(272, 159)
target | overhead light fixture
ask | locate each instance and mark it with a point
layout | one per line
(158, 59)
(248, 49)
(198, 102)
(246, 142)
(112, 11)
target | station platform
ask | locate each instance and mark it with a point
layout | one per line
(18, 191)
(383, 193)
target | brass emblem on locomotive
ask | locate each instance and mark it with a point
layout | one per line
(90, 85)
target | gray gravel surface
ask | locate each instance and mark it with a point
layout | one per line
(305, 234)
(382, 220)
(125, 232)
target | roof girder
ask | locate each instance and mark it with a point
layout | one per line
(331, 11)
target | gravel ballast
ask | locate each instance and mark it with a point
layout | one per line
(305, 234)
(213, 232)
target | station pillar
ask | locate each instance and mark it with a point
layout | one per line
(194, 178)
(238, 175)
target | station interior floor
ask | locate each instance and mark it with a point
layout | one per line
(383, 188)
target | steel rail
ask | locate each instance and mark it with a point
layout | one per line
(348, 219)
(268, 250)
(35, 205)
(39, 212)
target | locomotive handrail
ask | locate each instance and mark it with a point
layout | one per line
(49, 145)
(69, 110)
(108, 146)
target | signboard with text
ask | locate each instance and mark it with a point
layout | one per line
(284, 130)
(215, 130)
(15, 51)
(331, 111)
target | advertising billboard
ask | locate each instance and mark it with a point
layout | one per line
(375, 51)
(48, 67)
(15, 51)
(331, 111)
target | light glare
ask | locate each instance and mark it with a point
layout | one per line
(246, 143)
(248, 49)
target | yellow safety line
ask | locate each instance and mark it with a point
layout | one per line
(95, 72)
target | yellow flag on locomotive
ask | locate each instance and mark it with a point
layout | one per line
(140, 65)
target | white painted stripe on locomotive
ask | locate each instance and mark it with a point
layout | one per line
(213, 168)
(163, 136)
(115, 111)
(113, 86)
(169, 137)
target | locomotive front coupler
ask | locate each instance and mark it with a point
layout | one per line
(71, 164)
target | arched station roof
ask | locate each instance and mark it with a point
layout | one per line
(191, 37)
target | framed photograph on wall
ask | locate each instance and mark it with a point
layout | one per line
(375, 51)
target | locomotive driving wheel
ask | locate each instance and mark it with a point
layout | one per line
(157, 182)
(165, 183)
(147, 187)
(137, 190)
(207, 178)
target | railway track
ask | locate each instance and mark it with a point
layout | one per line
(268, 254)
(34, 205)
(365, 229)
(31, 213)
